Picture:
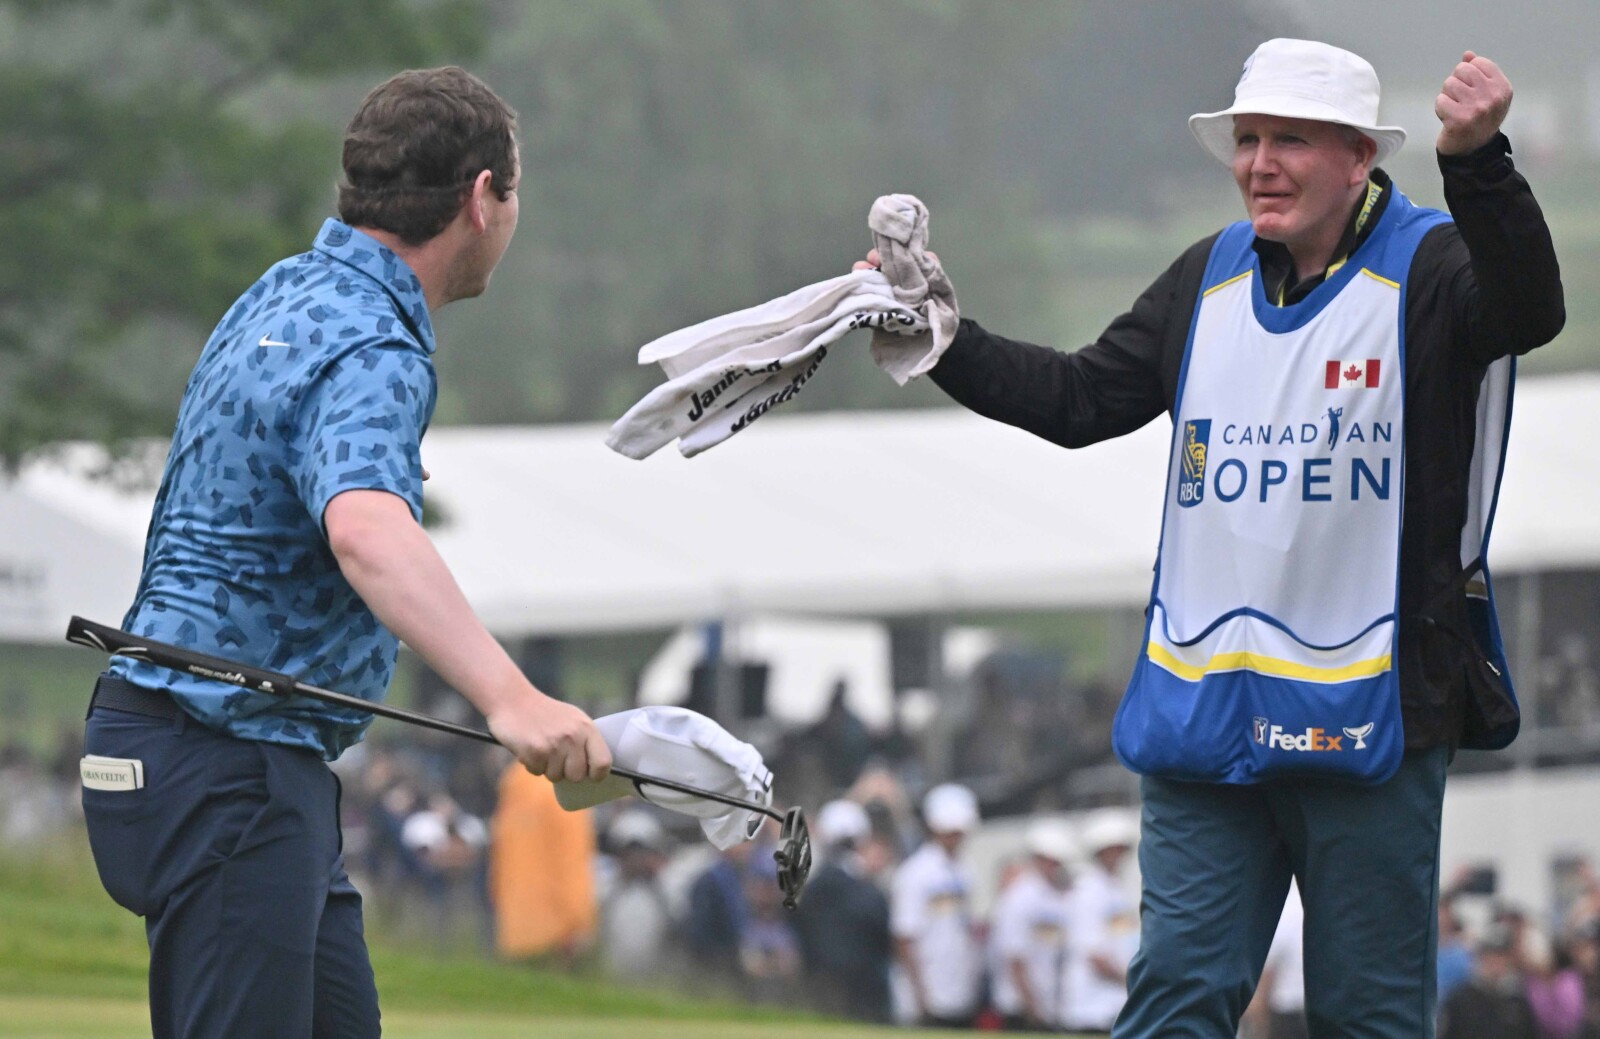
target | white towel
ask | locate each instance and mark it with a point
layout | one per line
(687, 747)
(727, 372)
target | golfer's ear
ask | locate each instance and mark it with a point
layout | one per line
(477, 200)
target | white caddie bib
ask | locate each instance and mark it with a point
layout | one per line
(1270, 644)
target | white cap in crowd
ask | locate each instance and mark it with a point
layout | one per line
(636, 826)
(950, 808)
(1109, 828)
(1051, 839)
(841, 821)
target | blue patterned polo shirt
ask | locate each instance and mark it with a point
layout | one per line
(318, 380)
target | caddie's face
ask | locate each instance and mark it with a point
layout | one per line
(1297, 176)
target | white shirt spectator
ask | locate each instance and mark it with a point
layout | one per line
(929, 907)
(1102, 920)
(1286, 958)
(636, 927)
(1030, 924)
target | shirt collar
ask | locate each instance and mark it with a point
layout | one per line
(377, 261)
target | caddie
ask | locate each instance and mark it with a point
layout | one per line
(1321, 633)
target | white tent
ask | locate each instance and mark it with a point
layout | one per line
(805, 657)
(68, 545)
(843, 513)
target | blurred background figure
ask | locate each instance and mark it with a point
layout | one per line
(1278, 1010)
(1028, 932)
(769, 950)
(638, 929)
(35, 804)
(1555, 988)
(841, 738)
(936, 947)
(541, 873)
(448, 849)
(718, 912)
(1586, 957)
(882, 792)
(1491, 1004)
(1455, 952)
(843, 920)
(1102, 925)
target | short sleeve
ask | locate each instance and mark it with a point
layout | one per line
(361, 427)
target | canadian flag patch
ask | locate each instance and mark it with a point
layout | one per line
(1351, 374)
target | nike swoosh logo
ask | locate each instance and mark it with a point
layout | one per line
(268, 341)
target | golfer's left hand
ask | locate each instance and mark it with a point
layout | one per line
(1472, 104)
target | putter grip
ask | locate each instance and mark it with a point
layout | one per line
(120, 643)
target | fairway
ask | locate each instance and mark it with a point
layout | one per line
(25, 1017)
(72, 966)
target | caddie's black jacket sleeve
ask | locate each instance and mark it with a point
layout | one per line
(1112, 386)
(1496, 267)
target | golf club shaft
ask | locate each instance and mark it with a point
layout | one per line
(118, 642)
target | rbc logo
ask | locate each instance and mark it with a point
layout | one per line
(1192, 473)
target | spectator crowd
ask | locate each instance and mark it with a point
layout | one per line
(1504, 974)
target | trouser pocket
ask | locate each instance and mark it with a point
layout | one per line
(122, 849)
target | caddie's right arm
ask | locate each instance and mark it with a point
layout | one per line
(1113, 386)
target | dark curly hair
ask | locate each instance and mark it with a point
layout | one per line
(415, 146)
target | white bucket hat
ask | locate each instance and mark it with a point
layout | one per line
(1301, 79)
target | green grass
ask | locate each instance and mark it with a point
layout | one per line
(63, 937)
(72, 964)
(58, 1018)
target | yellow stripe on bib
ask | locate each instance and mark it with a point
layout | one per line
(1246, 661)
(1224, 284)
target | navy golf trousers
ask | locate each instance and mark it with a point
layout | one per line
(1216, 861)
(231, 853)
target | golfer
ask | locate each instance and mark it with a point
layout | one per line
(286, 534)
(1321, 634)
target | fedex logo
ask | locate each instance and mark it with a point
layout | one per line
(1312, 740)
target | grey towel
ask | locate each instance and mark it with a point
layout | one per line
(899, 225)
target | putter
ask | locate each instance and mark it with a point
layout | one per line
(794, 837)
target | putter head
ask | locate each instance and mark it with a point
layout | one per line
(793, 856)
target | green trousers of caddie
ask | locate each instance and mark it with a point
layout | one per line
(1216, 862)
